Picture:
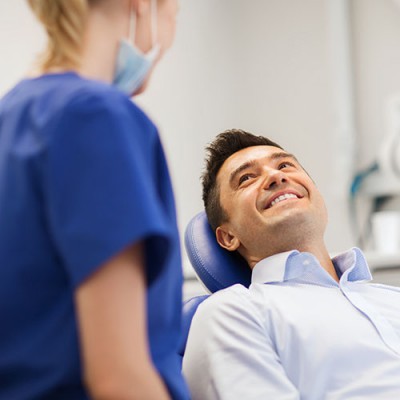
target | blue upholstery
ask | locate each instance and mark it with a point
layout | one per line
(216, 267)
(189, 308)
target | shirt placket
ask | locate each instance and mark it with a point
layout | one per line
(382, 325)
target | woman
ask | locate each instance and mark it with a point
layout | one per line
(90, 276)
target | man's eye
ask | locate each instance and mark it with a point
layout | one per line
(244, 178)
(285, 164)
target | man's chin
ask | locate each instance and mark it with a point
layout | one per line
(291, 222)
(293, 226)
(285, 214)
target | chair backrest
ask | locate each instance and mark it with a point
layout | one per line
(216, 267)
(188, 310)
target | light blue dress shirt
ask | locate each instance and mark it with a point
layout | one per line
(298, 334)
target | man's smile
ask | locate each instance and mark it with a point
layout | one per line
(282, 196)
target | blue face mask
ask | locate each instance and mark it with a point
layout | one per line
(132, 66)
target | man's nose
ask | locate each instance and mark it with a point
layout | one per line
(273, 178)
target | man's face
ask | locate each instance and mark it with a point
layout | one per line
(271, 203)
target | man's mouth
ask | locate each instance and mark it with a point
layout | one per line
(282, 197)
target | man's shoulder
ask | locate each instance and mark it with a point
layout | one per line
(232, 302)
(227, 295)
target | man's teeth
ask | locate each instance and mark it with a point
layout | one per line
(283, 197)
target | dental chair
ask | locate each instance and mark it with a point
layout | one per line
(215, 267)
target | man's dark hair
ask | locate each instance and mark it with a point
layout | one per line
(223, 146)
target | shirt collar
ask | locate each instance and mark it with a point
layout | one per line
(351, 265)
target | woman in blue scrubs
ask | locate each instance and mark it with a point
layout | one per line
(90, 273)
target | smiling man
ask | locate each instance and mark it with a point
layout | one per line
(309, 327)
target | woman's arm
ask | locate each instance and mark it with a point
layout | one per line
(111, 308)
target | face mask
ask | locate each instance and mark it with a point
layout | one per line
(132, 66)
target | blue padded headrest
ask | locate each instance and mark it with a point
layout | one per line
(216, 267)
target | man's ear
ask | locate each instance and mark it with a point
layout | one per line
(226, 239)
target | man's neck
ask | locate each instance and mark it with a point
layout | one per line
(322, 255)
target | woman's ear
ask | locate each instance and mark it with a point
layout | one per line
(226, 239)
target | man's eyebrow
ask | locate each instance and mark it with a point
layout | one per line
(248, 164)
(282, 154)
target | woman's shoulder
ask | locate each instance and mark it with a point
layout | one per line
(69, 92)
(57, 99)
(91, 96)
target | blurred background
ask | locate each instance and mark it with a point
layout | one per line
(320, 77)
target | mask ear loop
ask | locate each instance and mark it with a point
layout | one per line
(132, 25)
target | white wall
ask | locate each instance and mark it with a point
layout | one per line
(264, 66)
(20, 39)
(193, 93)
(376, 35)
(267, 66)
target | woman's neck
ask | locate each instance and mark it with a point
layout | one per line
(101, 42)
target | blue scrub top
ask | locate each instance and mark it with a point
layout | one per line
(82, 176)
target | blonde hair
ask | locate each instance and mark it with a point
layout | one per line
(64, 22)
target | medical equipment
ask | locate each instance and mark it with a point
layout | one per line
(380, 181)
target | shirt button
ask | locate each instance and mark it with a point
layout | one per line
(306, 262)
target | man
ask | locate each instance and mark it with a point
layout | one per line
(309, 327)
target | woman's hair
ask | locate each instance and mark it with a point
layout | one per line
(64, 22)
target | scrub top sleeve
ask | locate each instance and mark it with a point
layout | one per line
(100, 191)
